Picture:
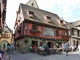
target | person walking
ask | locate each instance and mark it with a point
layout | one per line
(79, 48)
(9, 52)
(67, 48)
(12, 48)
(63, 47)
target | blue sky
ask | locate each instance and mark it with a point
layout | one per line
(68, 9)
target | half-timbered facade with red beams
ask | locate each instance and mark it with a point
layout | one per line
(36, 26)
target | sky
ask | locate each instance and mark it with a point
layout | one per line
(69, 10)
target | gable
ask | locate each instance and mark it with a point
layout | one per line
(32, 3)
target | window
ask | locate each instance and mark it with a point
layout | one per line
(66, 33)
(26, 26)
(34, 27)
(32, 4)
(78, 33)
(61, 21)
(5, 35)
(57, 33)
(72, 32)
(30, 14)
(47, 18)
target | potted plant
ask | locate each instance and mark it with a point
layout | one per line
(34, 29)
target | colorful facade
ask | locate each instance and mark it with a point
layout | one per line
(36, 26)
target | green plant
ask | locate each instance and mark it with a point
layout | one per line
(34, 29)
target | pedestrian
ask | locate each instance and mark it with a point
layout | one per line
(12, 48)
(67, 48)
(79, 48)
(35, 48)
(1, 54)
(8, 52)
(63, 47)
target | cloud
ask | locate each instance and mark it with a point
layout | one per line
(45, 3)
(64, 8)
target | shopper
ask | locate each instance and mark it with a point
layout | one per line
(9, 52)
(67, 48)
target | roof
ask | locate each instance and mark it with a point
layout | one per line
(72, 26)
(76, 23)
(7, 29)
(38, 15)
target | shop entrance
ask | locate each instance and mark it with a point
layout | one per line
(35, 43)
(50, 44)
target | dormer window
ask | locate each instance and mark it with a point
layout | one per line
(61, 21)
(47, 18)
(30, 14)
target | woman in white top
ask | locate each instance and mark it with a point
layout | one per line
(79, 48)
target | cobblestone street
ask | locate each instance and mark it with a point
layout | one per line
(35, 56)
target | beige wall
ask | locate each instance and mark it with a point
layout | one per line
(8, 38)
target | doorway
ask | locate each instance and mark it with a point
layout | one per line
(35, 43)
(50, 44)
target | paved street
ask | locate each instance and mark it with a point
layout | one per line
(35, 56)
